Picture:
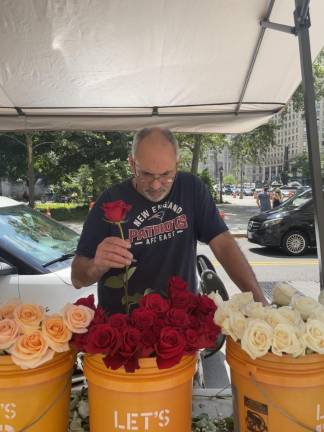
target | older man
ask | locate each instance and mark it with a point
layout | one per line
(170, 212)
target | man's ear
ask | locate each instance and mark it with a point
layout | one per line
(131, 162)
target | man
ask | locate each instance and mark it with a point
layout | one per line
(263, 200)
(170, 212)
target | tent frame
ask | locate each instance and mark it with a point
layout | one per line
(302, 24)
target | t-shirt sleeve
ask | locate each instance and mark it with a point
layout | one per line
(209, 224)
(95, 229)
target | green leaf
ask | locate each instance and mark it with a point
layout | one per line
(148, 291)
(114, 281)
(130, 272)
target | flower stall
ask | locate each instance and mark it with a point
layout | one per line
(274, 352)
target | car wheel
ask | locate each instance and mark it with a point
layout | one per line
(295, 243)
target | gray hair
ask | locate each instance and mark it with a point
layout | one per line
(143, 133)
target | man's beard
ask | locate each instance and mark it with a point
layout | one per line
(155, 196)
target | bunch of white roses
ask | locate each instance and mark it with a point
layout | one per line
(293, 325)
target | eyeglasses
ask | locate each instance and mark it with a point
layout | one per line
(146, 177)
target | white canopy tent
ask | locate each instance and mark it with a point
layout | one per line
(125, 64)
(207, 66)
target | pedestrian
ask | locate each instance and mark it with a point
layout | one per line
(263, 200)
(170, 212)
(276, 198)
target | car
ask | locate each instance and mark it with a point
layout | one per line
(289, 227)
(35, 257)
(288, 191)
(248, 192)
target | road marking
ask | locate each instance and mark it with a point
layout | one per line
(279, 263)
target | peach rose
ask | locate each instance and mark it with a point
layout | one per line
(31, 350)
(56, 333)
(29, 317)
(77, 317)
(9, 332)
(7, 309)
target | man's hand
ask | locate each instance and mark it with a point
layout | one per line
(112, 252)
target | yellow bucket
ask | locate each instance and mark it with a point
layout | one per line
(35, 400)
(272, 393)
(150, 399)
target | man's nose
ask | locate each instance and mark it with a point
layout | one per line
(156, 183)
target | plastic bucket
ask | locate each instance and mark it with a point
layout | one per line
(35, 400)
(275, 393)
(150, 399)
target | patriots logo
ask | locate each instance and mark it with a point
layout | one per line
(159, 215)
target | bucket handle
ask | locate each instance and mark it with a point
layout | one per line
(49, 407)
(277, 407)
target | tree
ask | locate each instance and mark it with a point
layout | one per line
(197, 146)
(318, 74)
(252, 147)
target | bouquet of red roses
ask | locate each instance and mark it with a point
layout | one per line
(165, 328)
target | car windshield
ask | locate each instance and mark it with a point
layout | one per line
(28, 232)
(298, 200)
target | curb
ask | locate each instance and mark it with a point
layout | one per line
(238, 234)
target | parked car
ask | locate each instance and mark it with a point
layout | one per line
(288, 191)
(290, 226)
(248, 192)
(35, 257)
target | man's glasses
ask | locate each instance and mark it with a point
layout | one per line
(146, 177)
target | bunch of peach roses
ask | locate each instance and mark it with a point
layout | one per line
(32, 337)
(292, 325)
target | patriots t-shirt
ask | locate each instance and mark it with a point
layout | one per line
(163, 236)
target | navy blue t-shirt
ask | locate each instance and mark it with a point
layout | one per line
(163, 235)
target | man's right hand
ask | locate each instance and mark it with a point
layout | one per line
(112, 252)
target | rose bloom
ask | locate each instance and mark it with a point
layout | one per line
(234, 325)
(282, 293)
(254, 310)
(223, 311)
(154, 302)
(56, 333)
(31, 350)
(314, 335)
(9, 332)
(257, 338)
(217, 299)
(116, 211)
(77, 318)
(274, 317)
(285, 340)
(7, 309)
(305, 305)
(241, 299)
(29, 317)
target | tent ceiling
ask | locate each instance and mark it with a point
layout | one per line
(122, 65)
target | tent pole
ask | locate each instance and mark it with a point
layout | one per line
(302, 23)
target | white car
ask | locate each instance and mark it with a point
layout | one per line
(35, 257)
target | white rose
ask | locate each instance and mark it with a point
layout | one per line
(285, 340)
(234, 325)
(217, 299)
(318, 314)
(254, 310)
(257, 338)
(305, 305)
(274, 317)
(282, 293)
(314, 335)
(223, 311)
(241, 299)
(291, 316)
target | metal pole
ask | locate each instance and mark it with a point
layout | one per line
(302, 24)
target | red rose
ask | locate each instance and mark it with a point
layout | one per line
(115, 211)
(118, 321)
(206, 306)
(154, 302)
(176, 282)
(99, 317)
(183, 300)
(142, 318)
(192, 341)
(79, 341)
(177, 318)
(128, 352)
(170, 348)
(208, 333)
(103, 338)
(149, 339)
(86, 301)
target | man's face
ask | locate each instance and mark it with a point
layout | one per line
(154, 166)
